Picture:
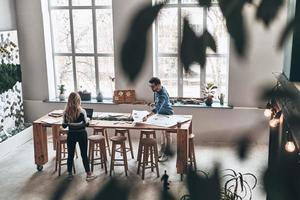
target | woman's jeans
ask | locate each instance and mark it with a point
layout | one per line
(81, 138)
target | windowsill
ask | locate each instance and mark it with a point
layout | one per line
(215, 105)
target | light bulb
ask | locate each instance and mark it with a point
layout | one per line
(268, 113)
(273, 122)
(290, 146)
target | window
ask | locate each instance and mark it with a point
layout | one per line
(82, 45)
(167, 41)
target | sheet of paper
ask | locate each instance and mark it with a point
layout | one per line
(51, 120)
(138, 115)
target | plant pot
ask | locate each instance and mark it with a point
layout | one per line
(99, 97)
(208, 102)
(85, 96)
(62, 97)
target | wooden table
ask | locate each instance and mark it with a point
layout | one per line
(41, 144)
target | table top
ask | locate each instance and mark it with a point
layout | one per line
(49, 120)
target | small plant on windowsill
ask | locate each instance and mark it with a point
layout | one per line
(208, 93)
(85, 95)
(62, 90)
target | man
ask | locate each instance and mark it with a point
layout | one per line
(162, 106)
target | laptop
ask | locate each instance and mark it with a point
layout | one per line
(89, 112)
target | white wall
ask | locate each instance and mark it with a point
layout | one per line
(7, 15)
(245, 76)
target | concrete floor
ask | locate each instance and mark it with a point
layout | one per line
(20, 180)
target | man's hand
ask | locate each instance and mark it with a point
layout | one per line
(145, 118)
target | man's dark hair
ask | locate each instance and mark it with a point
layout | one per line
(155, 81)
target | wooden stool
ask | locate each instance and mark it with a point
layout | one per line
(118, 140)
(145, 134)
(96, 141)
(148, 146)
(60, 143)
(122, 132)
(103, 131)
(192, 157)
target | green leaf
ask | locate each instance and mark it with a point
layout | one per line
(268, 10)
(134, 48)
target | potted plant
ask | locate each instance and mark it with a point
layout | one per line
(221, 98)
(85, 95)
(209, 92)
(62, 90)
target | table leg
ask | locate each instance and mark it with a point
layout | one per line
(40, 145)
(182, 151)
(55, 134)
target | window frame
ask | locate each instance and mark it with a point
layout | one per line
(93, 7)
(179, 5)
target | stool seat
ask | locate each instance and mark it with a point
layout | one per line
(96, 137)
(118, 139)
(63, 131)
(62, 138)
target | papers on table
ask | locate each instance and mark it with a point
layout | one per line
(138, 115)
(158, 119)
(56, 113)
(51, 120)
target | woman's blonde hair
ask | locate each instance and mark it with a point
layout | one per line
(73, 107)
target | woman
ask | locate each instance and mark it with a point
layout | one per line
(75, 118)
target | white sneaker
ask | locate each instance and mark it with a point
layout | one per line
(90, 177)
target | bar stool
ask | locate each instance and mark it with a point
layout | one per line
(60, 143)
(118, 140)
(96, 141)
(192, 157)
(149, 149)
(123, 132)
(103, 131)
(145, 134)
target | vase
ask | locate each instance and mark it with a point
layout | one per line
(62, 97)
(99, 97)
(208, 102)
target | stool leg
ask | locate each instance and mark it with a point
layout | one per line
(103, 155)
(130, 145)
(194, 157)
(59, 158)
(140, 157)
(139, 150)
(56, 157)
(151, 158)
(145, 158)
(112, 158)
(156, 159)
(125, 158)
(93, 154)
(107, 140)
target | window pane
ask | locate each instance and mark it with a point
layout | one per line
(83, 31)
(191, 82)
(169, 1)
(103, 2)
(168, 73)
(61, 31)
(59, 2)
(104, 31)
(106, 76)
(81, 2)
(167, 31)
(64, 73)
(189, 1)
(85, 69)
(217, 27)
(195, 17)
(217, 72)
